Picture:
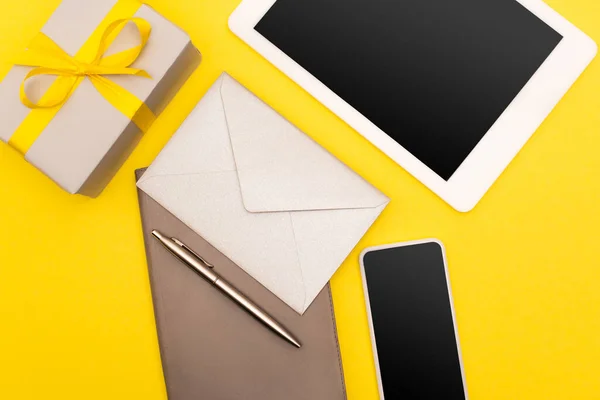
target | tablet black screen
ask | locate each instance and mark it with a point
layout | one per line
(433, 74)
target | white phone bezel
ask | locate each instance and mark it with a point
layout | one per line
(499, 145)
(370, 317)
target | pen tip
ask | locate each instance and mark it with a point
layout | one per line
(156, 234)
(295, 342)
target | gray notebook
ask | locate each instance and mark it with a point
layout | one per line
(213, 350)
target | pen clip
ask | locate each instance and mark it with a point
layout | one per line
(183, 245)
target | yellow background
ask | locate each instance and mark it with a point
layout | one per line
(76, 320)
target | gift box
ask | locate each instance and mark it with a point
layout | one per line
(78, 99)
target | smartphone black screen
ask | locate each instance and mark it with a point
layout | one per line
(413, 323)
(434, 75)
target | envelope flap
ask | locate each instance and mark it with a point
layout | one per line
(282, 169)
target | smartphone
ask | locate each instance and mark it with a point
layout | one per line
(411, 317)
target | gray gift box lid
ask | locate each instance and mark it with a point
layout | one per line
(88, 139)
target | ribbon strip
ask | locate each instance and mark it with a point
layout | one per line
(48, 58)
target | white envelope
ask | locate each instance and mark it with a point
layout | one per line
(263, 193)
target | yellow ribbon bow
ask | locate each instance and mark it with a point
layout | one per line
(48, 58)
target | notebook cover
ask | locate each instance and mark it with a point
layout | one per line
(211, 349)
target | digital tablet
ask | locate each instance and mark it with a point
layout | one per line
(449, 89)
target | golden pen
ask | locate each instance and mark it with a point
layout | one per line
(205, 270)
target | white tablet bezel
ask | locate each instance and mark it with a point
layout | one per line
(370, 316)
(499, 145)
